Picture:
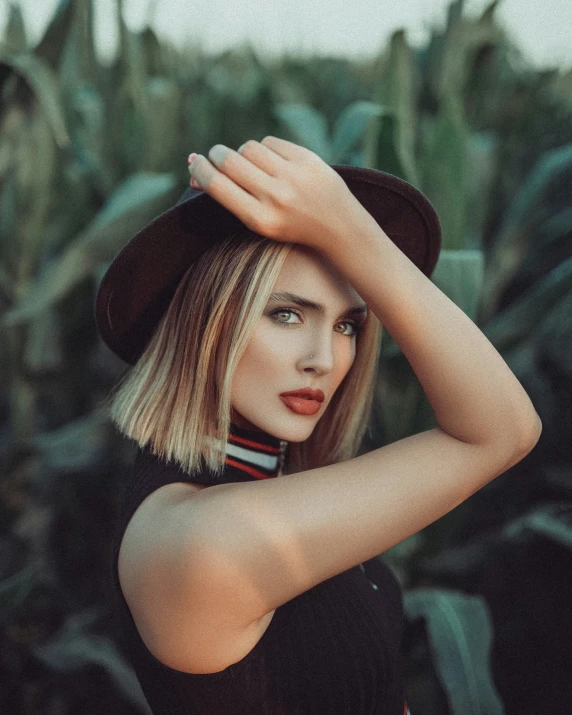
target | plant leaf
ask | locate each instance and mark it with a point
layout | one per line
(459, 274)
(396, 93)
(15, 33)
(51, 46)
(460, 635)
(43, 82)
(74, 649)
(444, 170)
(308, 127)
(135, 203)
(350, 126)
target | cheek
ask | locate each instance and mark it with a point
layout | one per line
(265, 349)
(346, 362)
(264, 357)
(270, 351)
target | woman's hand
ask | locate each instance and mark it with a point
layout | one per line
(280, 190)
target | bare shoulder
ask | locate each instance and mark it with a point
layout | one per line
(204, 570)
(278, 538)
(173, 600)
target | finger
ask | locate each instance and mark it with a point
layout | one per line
(263, 157)
(287, 150)
(241, 170)
(225, 190)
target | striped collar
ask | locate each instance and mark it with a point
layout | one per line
(254, 453)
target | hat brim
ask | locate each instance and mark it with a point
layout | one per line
(140, 282)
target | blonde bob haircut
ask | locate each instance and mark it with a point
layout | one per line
(177, 397)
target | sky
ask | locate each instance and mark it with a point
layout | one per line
(358, 29)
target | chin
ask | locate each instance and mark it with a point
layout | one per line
(296, 432)
(292, 428)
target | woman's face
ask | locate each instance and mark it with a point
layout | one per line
(292, 350)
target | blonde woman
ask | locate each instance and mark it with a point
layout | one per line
(245, 550)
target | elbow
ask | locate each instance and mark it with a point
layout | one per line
(530, 436)
(526, 444)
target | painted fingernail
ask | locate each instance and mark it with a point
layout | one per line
(192, 157)
(218, 153)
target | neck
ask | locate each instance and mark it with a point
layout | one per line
(255, 452)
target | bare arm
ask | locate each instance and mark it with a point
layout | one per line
(240, 550)
(475, 396)
(277, 538)
(292, 195)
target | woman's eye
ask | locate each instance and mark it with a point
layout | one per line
(356, 327)
(284, 310)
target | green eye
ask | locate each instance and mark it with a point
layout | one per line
(355, 325)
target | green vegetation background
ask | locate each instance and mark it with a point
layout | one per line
(90, 153)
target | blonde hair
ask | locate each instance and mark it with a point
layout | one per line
(176, 398)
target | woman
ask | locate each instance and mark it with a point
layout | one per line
(263, 594)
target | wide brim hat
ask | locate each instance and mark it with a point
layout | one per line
(140, 282)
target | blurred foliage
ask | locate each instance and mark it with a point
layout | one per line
(90, 152)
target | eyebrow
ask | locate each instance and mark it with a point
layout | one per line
(311, 305)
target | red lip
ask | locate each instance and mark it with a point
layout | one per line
(306, 393)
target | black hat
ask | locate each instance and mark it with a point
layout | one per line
(140, 282)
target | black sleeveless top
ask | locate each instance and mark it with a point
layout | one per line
(333, 650)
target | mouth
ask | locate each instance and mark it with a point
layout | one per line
(303, 402)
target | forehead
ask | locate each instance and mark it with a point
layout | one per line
(308, 272)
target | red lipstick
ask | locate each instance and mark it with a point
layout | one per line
(304, 402)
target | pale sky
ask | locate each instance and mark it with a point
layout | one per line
(352, 28)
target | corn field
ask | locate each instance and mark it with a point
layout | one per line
(91, 152)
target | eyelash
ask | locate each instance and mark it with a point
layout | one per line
(357, 326)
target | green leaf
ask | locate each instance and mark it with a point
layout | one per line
(382, 146)
(15, 590)
(154, 52)
(15, 33)
(308, 127)
(134, 204)
(551, 521)
(488, 16)
(43, 82)
(444, 170)
(459, 274)
(401, 404)
(515, 325)
(460, 635)
(399, 394)
(78, 63)
(482, 148)
(537, 217)
(75, 447)
(90, 127)
(51, 46)
(397, 94)
(162, 124)
(350, 126)
(43, 353)
(527, 206)
(73, 649)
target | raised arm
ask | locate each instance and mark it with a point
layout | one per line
(279, 537)
(475, 396)
(288, 193)
(240, 550)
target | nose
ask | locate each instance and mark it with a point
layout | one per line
(320, 356)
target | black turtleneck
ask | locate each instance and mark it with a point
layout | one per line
(333, 649)
(249, 455)
(254, 453)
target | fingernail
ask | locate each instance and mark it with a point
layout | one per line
(195, 184)
(191, 158)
